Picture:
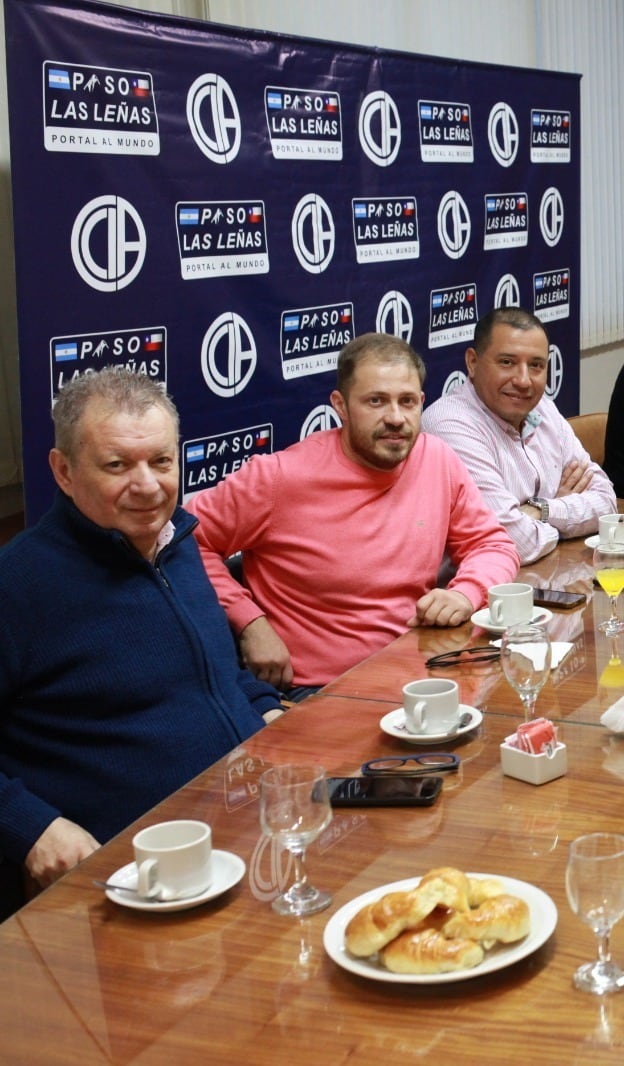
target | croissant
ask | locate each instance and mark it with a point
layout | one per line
(482, 888)
(504, 918)
(377, 923)
(429, 951)
(456, 892)
(464, 892)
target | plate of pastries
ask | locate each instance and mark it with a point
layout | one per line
(444, 926)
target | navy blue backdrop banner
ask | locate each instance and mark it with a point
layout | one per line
(223, 209)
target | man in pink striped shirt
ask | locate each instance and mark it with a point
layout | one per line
(527, 461)
(343, 533)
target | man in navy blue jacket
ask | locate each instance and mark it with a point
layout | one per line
(119, 679)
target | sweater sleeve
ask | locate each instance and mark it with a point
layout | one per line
(481, 550)
(262, 696)
(232, 517)
(479, 446)
(23, 816)
(508, 472)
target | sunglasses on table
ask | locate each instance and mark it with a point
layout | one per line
(435, 762)
(482, 653)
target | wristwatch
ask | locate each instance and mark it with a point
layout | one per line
(542, 506)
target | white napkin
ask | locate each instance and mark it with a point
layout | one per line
(613, 717)
(558, 650)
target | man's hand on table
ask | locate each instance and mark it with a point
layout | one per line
(442, 607)
(265, 654)
(60, 846)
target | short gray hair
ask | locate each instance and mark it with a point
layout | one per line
(118, 388)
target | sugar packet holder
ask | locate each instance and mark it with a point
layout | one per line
(533, 753)
(536, 737)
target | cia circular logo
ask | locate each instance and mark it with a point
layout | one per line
(269, 869)
(394, 316)
(313, 233)
(453, 382)
(507, 292)
(453, 225)
(228, 355)
(321, 417)
(379, 127)
(213, 118)
(113, 260)
(503, 134)
(551, 216)
(555, 372)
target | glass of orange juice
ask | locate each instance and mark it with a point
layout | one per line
(609, 570)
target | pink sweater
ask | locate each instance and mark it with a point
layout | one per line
(337, 554)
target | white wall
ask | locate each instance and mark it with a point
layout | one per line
(599, 369)
(490, 31)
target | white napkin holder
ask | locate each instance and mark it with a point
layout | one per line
(534, 769)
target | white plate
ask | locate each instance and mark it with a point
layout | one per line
(482, 619)
(394, 725)
(592, 542)
(227, 870)
(543, 922)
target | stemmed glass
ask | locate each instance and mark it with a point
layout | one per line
(612, 675)
(526, 658)
(294, 810)
(595, 888)
(609, 570)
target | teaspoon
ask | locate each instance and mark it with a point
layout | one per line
(464, 720)
(116, 888)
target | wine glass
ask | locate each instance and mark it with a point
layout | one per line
(595, 889)
(526, 658)
(609, 570)
(294, 810)
(612, 675)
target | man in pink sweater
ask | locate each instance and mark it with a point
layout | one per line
(343, 534)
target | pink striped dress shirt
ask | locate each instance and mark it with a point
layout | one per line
(510, 467)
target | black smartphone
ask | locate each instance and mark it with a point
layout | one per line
(565, 601)
(389, 790)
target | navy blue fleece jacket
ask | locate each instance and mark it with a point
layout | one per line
(118, 678)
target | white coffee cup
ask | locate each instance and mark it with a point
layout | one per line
(510, 603)
(174, 859)
(611, 529)
(431, 705)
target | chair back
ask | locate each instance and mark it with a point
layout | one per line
(590, 430)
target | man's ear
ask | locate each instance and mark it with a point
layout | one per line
(471, 359)
(337, 401)
(61, 468)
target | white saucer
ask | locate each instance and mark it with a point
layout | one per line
(227, 870)
(592, 542)
(394, 725)
(482, 619)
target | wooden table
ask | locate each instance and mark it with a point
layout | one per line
(86, 981)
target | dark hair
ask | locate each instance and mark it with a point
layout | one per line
(383, 347)
(516, 317)
(118, 388)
